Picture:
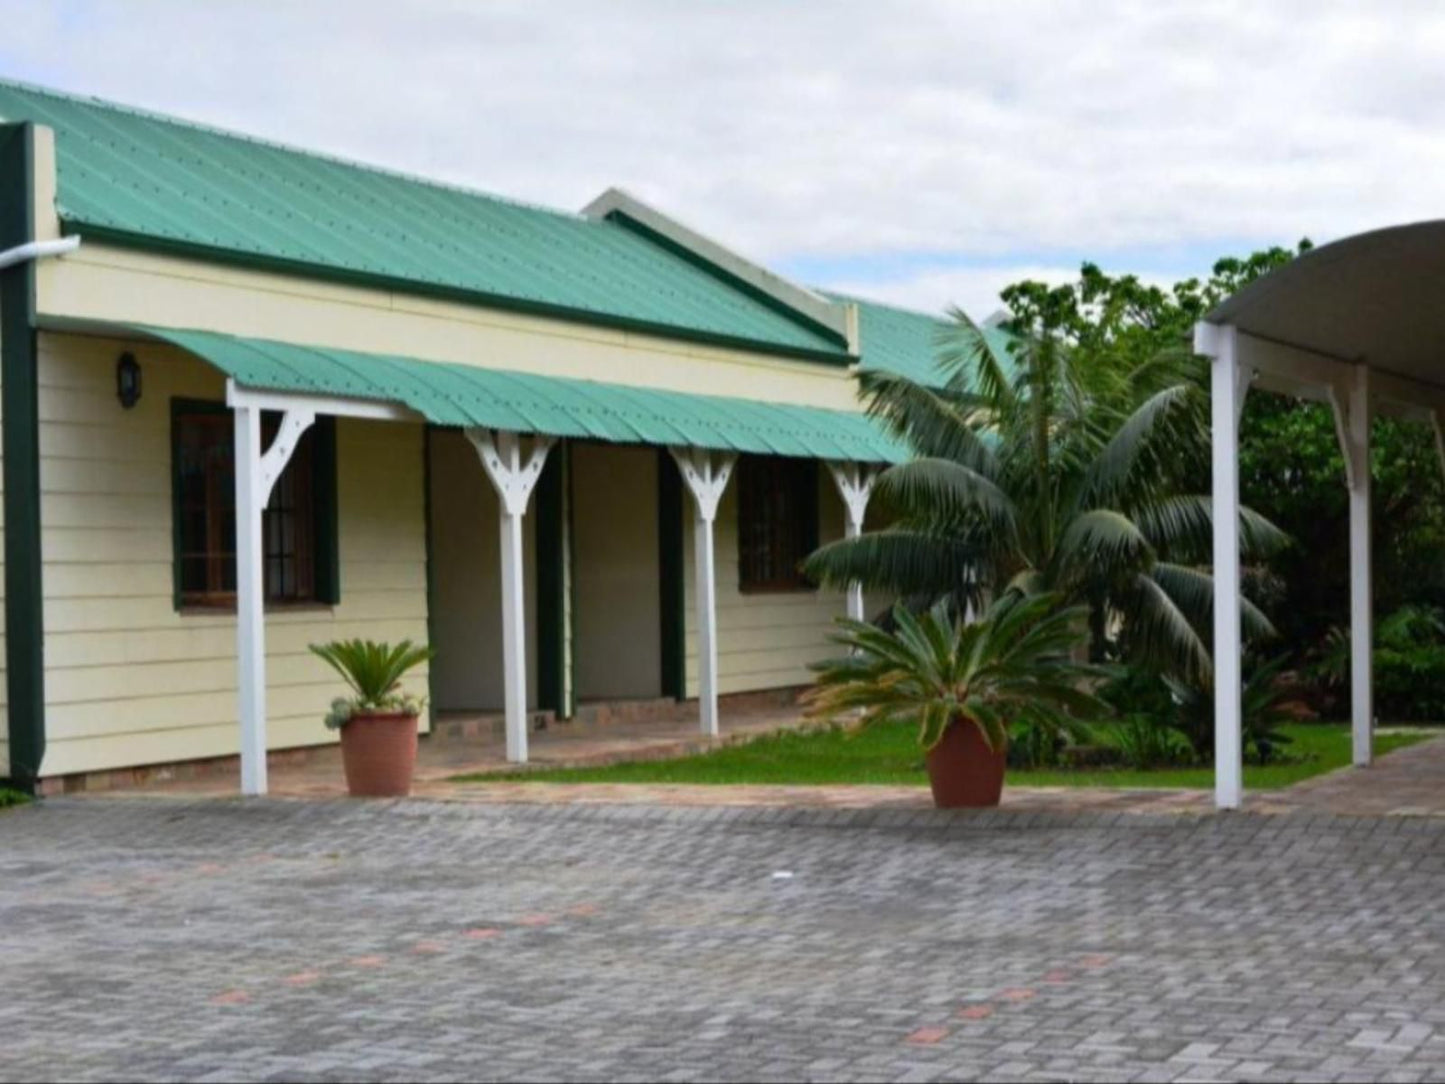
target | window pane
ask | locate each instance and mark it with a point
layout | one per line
(206, 513)
(777, 513)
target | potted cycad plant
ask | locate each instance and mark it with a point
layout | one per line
(964, 684)
(378, 723)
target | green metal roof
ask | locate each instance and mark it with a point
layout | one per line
(156, 181)
(904, 341)
(463, 395)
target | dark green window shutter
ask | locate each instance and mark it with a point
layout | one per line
(328, 525)
(812, 499)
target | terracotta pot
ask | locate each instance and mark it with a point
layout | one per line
(379, 752)
(963, 771)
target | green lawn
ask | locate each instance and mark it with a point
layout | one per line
(890, 755)
(10, 798)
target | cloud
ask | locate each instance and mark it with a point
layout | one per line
(960, 132)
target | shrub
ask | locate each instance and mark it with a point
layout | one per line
(1264, 714)
(1410, 683)
(1138, 690)
(1149, 741)
(1012, 668)
(1409, 665)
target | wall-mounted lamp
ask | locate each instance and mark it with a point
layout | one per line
(127, 380)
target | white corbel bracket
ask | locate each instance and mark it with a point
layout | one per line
(501, 457)
(706, 479)
(855, 486)
(1345, 401)
(294, 424)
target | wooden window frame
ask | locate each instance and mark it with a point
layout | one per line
(308, 503)
(777, 502)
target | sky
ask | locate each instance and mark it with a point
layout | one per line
(923, 153)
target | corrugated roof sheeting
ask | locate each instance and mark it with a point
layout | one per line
(125, 173)
(462, 395)
(903, 341)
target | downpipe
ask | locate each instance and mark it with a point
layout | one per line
(38, 250)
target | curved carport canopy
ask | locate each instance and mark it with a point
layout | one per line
(1359, 324)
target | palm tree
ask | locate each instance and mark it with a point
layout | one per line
(1039, 470)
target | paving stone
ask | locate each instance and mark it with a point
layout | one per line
(176, 939)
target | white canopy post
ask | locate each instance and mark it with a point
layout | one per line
(855, 486)
(501, 456)
(707, 480)
(1362, 604)
(256, 475)
(1221, 344)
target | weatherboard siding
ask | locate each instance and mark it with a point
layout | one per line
(765, 640)
(131, 681)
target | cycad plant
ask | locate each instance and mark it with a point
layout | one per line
(1013, 667)
(1039, 470)
(374, 672)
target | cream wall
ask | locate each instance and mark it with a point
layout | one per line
(467, 579)
(129, 680)
(765, 640)
(617, 634)
(102, 283)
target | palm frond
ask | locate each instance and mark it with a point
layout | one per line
(1159, 631)
(969, 362)
(373, 670)
(926, 421)
(905, 562)
(947, 494)
(1155, 430)
(1100, 539)
(1182, 526)
(1193, 593)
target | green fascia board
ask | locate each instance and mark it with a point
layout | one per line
(456, 395)
(142, 179)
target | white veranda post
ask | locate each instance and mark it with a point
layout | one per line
(707, 479)
(256, 473)
(501, 456)
(1227, 390)
(855, 486)
(1354, 430)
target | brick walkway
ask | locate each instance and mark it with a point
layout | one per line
(218, 940)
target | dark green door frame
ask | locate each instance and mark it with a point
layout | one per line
(551, 538)
(670, 573)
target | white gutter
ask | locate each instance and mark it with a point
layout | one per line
(38, 250)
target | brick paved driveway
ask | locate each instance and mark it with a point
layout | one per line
(144, 939)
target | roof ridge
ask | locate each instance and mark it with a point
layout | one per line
(289, 148)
